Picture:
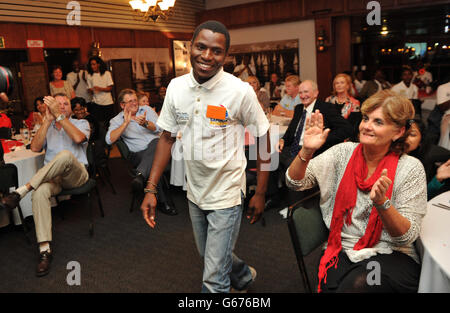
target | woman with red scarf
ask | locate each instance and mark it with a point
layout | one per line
(373, 197)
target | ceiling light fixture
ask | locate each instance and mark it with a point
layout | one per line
(144, 10)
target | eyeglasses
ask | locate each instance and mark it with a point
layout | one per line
(130, 101)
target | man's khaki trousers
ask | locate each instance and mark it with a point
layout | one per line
(64, 171)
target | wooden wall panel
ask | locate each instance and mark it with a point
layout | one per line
(111, 38)
(343, 43)
(325, 61)
(14, 34)
(56, 36)
(361, 5)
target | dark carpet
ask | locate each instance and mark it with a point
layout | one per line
(125, 255)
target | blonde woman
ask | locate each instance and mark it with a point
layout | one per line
(342, 85)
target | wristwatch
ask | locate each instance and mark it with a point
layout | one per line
(386, 205)
(60, 117)
(145, 124)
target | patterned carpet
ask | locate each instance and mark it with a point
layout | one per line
(125, 255)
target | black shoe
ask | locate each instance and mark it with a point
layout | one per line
(166, 209)
(137, 184)
(10, 201)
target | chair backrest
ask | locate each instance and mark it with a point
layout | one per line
(8, 177)
(307, 230)
(123, 149)
(91, 159)
(310, 230)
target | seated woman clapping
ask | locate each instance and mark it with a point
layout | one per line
(373, 198)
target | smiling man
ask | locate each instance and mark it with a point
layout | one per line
(211, 108)
(65, 141)
(136, 125)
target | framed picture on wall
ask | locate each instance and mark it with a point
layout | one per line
(181, 50)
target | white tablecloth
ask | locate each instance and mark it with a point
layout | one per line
(177, 172)
(435, 239)
(28, 163)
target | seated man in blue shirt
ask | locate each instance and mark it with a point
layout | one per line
(137, 127)
(65, 141)
(291, 99)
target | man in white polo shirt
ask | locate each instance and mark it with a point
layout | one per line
(212, 108)
(406, 88)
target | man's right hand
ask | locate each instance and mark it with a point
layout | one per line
(280, 145)
(148, 208)
(127, 116)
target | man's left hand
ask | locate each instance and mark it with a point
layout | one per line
(141, 119)
(256, 208)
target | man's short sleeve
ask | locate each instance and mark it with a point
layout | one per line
(84, 127)
(252, 115)
(167, 120)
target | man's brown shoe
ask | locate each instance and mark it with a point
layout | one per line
(10, 201)
(43, 268)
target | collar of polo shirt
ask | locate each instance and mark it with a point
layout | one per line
(208, 84)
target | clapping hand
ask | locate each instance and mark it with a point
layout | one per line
(315, 135)
(53, 106)
(48, 116)
(127, 115)
(141, 119)
(443, 172)
(379, 189)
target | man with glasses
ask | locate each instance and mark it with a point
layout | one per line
(137, 127)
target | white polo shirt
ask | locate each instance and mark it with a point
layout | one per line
(213, 149)
(410, 92)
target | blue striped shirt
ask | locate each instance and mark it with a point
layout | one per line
(135, 136)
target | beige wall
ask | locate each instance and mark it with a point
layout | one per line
(303, 31)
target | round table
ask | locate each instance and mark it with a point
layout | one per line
(27, 163)
(435, 239)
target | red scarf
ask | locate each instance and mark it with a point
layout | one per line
(354, 175)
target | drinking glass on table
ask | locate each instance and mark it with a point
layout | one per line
(25, 133)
